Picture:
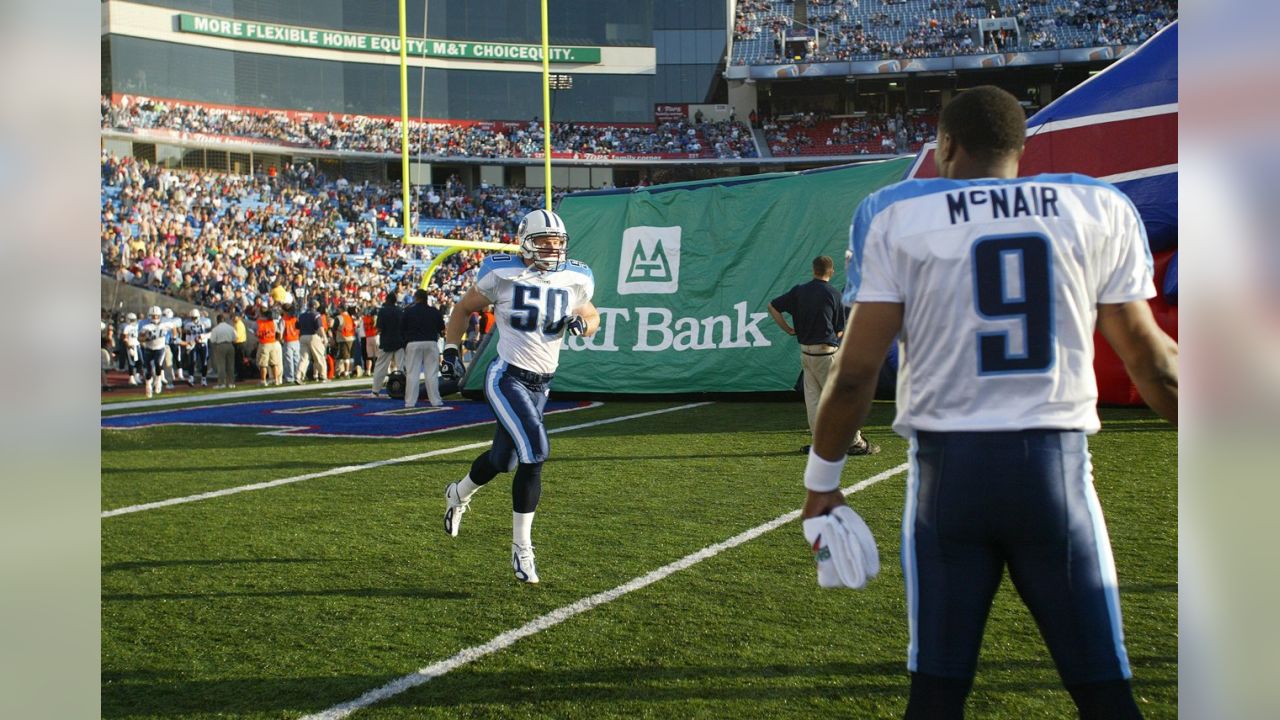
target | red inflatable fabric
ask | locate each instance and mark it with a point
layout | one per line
(1114, 385)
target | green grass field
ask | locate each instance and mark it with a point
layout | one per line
(287, 601)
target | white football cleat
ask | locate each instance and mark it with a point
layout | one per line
(454, 506)
(522, 563)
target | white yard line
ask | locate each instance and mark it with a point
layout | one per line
(370, 465)
(555, 617)
(254, 391)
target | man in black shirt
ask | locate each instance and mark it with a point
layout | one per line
(819, 316)
(390, 342)
(420, 328)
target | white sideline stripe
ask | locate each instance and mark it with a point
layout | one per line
(370, 465)
(253, 392)
(555, 617)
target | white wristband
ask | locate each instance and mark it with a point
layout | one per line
(822, 475)
(450, 346)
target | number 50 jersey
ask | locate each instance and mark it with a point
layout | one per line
(531, 306)
(1000, 281)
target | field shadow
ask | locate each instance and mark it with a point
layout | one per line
(206, 562)
(1136, 426)
(147, 692)
(703, 456)
(168, 694)
(254, 467)
(410, 593)
(1149, 588)
(731, 683)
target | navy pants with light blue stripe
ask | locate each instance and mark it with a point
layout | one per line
(517, 403)
(978, 502)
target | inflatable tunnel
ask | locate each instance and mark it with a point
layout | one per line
(1121, 126)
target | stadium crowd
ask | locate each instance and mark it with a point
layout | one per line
(216, 239)
(844, 30)
(870, 134)
(254, 245)
(326, 131)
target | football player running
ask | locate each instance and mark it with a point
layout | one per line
(538, 296)
(151, 334)
(133, 348)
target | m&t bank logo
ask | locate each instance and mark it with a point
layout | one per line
(650, 261)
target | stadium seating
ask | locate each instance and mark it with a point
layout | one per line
(876, 29)
(433, 138)
(865, 134)
(218, 240)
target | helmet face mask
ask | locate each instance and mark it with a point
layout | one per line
(546, 251)
(544, 241)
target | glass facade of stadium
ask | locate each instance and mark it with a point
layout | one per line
(688, 40)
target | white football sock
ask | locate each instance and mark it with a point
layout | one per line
(521, 528)
(466, 488)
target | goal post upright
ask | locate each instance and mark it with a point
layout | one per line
(449, 246)
(404, 117)
(546, 106)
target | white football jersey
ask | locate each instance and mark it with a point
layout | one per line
(130, 333)
(193, 331)
(530, 307)
(1000, 282)
(152, 334)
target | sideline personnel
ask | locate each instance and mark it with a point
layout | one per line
(819, 316)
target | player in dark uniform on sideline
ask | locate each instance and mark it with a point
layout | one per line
(996, 283)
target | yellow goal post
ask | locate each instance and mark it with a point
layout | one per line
(451, 246)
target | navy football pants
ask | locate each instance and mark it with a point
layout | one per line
(517, 402)
(978, 502)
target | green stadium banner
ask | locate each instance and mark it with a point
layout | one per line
(684, 274)
(385, 44)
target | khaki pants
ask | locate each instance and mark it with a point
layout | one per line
(224, 362)
(270, 356)
(312, 353)
(383, 366)
(422, 358)
(816, 362)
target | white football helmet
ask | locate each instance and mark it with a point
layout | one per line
(538, 234)
(154, 312)
(195, 313)
(168, 313)
(131, 317)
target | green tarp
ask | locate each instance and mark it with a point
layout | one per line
(684, 274)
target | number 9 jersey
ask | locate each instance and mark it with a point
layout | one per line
(532, 306)
(1000, 280)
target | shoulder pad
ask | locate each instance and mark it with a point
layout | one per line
(494, 262)
(578, 266)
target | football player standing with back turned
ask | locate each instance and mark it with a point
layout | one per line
(539, 296)
(996, 284)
